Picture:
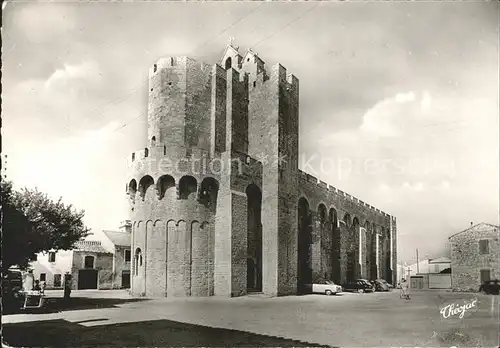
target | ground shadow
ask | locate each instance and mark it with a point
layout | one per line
(57, 304)
(159, 333)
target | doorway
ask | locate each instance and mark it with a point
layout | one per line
(304, 264)
(125, 279)
(87, 279)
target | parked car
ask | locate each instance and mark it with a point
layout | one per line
(380, 285)
(359, 285)
(491, 287)
(326, 287)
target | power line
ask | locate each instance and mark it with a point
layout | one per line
(288, 24)
(231, 26)
(203, 44)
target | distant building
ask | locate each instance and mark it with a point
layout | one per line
(90, 265)
(439, 265)
(118, 242)
(475, 256)
(430, 274)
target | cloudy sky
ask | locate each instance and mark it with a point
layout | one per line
(398, 104)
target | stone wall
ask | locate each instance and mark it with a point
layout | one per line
(467, 261)
(349, 209)
(103, 263)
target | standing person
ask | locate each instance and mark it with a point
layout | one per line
(42, 286)
(28, 282)
(403, 288)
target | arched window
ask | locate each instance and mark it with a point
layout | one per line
(153, 141)
(164, 183)
(187, 186)
(88, 262)
(146, 152)
(347, 219)
(208, 192)
(355, 222)
(132, 187)
(137, 260)
(144, 184)
(229, 63)
(333, 218)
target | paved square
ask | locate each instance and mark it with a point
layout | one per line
(347, 320)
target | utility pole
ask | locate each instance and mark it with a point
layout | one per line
(418, 270)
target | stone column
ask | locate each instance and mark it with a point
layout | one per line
(361, 260)
(316, 248)
(377, 251)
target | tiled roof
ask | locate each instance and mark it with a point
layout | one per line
(118, 238)
(90, 246)
(482, 224)
(440, 260)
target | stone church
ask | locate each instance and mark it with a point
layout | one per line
(217, 201)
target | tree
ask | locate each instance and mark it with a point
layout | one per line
(33, 223)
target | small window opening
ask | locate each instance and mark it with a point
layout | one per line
(254, 83)
(146, 152)
(155, 67)
(229, 63)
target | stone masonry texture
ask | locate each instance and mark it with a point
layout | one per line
(214, 194)
(467, 260)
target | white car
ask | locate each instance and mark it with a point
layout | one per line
(326, 287)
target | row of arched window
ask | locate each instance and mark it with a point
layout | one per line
(332, 218)
(187, 186)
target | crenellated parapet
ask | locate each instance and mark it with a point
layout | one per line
(319, 191)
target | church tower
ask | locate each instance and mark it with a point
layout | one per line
(213, 194)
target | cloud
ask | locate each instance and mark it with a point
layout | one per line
(394, 116)
(78, 169)
(88, 70)
(439, 173)
(61, 141)
(404, 97)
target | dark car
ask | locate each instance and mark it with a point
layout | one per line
(491, 287)
(380, 285)
(358, 285)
